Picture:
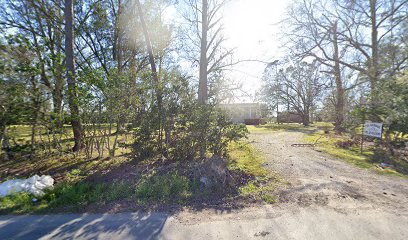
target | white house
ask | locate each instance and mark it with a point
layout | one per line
(243, 112)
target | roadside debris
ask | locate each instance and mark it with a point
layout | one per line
(35, 185)
(303, 145)
(306, 144)
(386, 165)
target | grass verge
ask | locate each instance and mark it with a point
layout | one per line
(76, 193)
(366, 159)
(66, 197)
(165, 188)
(245, 158)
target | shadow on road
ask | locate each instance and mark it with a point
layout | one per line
(82, 226)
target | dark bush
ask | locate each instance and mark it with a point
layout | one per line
(346, 144)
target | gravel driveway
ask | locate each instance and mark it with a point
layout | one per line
(316, 178)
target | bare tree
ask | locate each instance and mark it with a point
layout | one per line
(298, 86)
(317, 36)
(205, 34)
(336, 33)
(366, 25)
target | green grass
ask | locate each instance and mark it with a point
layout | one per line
(351, 155)
(73, 167)
(245, 158)
(166, 188)
(22, 134)
(260, 190)
(75, 197)
(67, 197)
(276, 127)
(288, 127)
(269, 198)
(20, 203)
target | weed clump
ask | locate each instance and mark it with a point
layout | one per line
(165, 188)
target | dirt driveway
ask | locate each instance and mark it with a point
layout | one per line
(316, 178)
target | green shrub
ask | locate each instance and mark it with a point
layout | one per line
(269, 198)
(79, 194)
(119, 190)
(189, 131)
(82, 194)
(16, 203)
(166, 188)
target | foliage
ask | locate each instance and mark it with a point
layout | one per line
(165, 188)
(393, 108)
(67, 197)
(75, 193)
(346, 143)
(190, 128)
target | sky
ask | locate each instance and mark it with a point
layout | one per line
(251, 26)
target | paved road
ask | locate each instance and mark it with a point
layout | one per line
(325, 199)
(82, 226)
(260, 223)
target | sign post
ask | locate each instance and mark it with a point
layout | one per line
(371, 129)
(362, 134)
(362, 137)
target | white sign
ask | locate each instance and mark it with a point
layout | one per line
(373, 129)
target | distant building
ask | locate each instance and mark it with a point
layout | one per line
(248, 113)
(289, 117)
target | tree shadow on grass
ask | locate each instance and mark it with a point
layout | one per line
(384, 159)
(97, 190)
(171, 186)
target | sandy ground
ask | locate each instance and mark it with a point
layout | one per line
(324, 198)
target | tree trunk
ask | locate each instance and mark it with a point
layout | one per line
(57, 94)
(117, 45)
(57, 99)
(72, 95)
(5, 146)
(306, 118)
(3, 127)
(339, 106)
(373, 64)
(203, 78)
(36, 109)
(151, 54)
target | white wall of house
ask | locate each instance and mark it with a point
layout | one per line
(241, 111)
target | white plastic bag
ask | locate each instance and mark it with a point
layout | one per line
(34, 185)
